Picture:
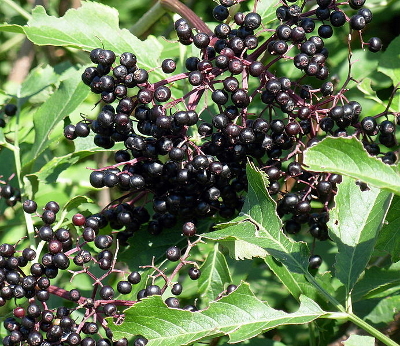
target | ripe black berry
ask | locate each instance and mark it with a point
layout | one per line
(124, 287)
(314, 262)
(194, 273)
(220, 13)
(29, 206)
(173, 253)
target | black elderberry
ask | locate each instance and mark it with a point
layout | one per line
(189, 229)
(294, 11)
(152, 290)
(356, 4)
(366, 13)
(282, 13)
(357, 22)
(69, 132)
(322, 13)
(10, 109)
(162, 93)
(220, 97)
(326, 88)
(314, 262)
(374, 44)
(141, 341)
(220, 13)
(301, 61)
(283, 32)
(124, 287)
(106, 292)
(29, 206)
(369, 125)
(337, 18)
(308, 25)
(172, 302)
(292, 227)
(195, 78)
(128, 59)
(48, 217)
(168, 65)
(194, 273)
(173, 253)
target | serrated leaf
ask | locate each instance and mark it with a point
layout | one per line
(354, 224)
(389, 62)
(240, 315)
(240, 249)
(76, 29)
(357, 340)
(389, 237)
(214, 275)
(71, 93)
(377, 281)
(260, 225)
(348, 157)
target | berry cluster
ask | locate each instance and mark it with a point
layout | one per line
(191, 165)
(37, 324)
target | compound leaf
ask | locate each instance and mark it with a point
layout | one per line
(354, 224)
(240, 315)
(348, 157)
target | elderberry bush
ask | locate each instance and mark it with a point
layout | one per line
(252, 132)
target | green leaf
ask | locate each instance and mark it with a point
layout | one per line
(214, 275)
(12, 28)
(369, 93)
(389, 62)
(76, 29)
(240, 315)
(354, 224)
(266, 10)
(290, 279)
(66, 99)
(357, 340)
(84, 147)
(240, 249)
(38, 80)
(348, 157)
(389, 237)
(377, 281)
(378, 311)
(76, 202)
(260, 225)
